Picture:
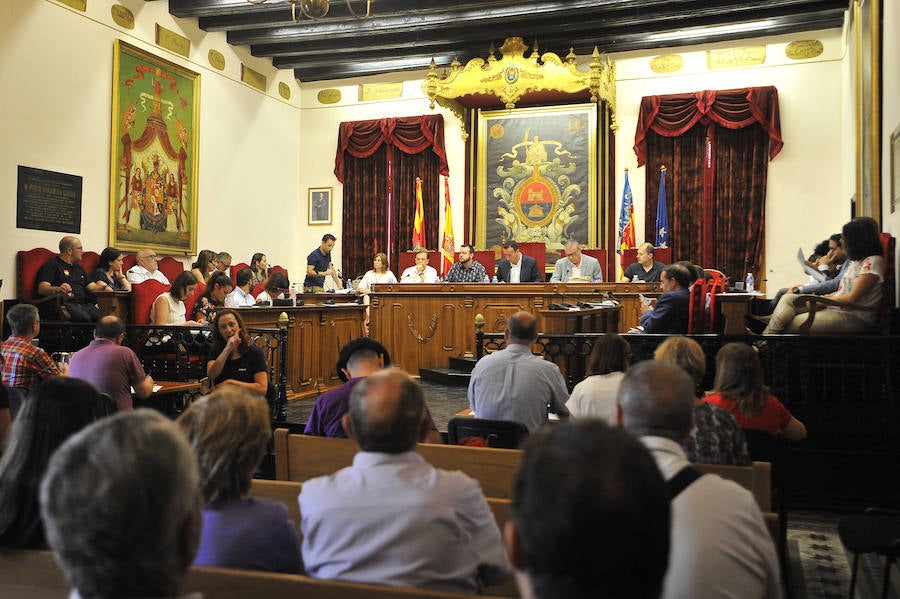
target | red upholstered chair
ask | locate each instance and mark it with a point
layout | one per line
(715, 285)
(538, 251)
(697, 308)
(629, 256)
(408, 259)
(488, 259)
(27, 265)
(192, 299)
(258, 288)
(89, 262)
(142, 297)
(128, 261)
(234, 271)
(596, 253)
(283, 271)
(171, 267)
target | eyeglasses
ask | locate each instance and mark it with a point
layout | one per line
(152, 257)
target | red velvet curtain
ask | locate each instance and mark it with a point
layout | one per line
(378, 160)
(715, 145)
(365, 194)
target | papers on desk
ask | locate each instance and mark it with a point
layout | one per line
(812, 272)
(155, 388)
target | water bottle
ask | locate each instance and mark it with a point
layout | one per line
(495, 280)
(748, 283)
(635, 279)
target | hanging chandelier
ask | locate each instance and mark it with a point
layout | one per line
(316, 9)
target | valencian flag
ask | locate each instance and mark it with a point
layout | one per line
(662, 213)
(626, 222)
(418, 238)
(447, 245)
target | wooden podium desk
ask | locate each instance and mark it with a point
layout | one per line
(114, 303)
(424, 325)
(316, 333)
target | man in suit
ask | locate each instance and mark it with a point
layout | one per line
(516, 267)
(669, 314)
(576, 266)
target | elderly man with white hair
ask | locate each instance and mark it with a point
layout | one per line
(146, 267)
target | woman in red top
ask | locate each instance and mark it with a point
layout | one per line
(739, 389)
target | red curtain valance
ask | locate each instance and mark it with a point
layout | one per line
(674, 114)
(413, 135)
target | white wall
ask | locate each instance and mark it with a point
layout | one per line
(57, 67)
(890, 107)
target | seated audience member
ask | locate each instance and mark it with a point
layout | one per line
(275, 288)
(234, 359)
(357, 360)
(109, 275)
(669, 313)
(110, 367)
(217, 289)
(467, 269)
(121, 504)
(830, 264)
(514, 384)
(204, 266)
(646, 269)
(739, 389)
(240, 296)
(222, 263)
(516, 267)
(59, 408)
(719, 543)
(5, 415)
(259, 266)
(836, 258)
(63, 276)
(420, 272)
(716, 437)
(860, 286)
(169, 307)
(380, 273)
(229, 430)
(576, 266)
(391, 518)
(595, 396)
(146, 267)
(25, 364)
(589, 516)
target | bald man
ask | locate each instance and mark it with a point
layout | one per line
(64, 277)
(146, 267)
(391, 518)
(514, 384)
(646, 269)
(110, 367)
(719, 545)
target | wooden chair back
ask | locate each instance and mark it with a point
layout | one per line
(756, 478)
(301, 457)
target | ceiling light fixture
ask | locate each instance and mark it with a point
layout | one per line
(316, 9)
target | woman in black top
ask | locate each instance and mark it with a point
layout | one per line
(236, 361)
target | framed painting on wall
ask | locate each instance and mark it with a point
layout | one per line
(867, 23)
(320, 205)
(537, 176)
(154, 158)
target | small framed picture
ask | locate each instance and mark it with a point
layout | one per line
(320, 205)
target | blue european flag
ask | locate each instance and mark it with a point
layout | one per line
(662, 213)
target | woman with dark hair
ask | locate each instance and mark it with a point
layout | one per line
(739, 389)
(229, 430)
(716, 437)
(860, 287)
(259, 264)
(217, 289)
(59, 408)
(595, 396)
(275, 287)
(109, 275)
(169, 308)
(204, 265)
(237, 361)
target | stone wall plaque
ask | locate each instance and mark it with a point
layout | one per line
(48, 201)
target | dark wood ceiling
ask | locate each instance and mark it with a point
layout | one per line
(405, 35)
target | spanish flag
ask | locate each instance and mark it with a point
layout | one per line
(447, 244)
(418, 238)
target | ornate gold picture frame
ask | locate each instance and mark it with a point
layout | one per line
(866, 26)
(537, 173)
(154, 153)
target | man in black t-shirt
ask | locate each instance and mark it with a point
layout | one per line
(63, 276)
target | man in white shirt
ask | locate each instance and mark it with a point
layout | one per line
(514, 384)
(421, 272)
(240, 296)
(146, 268)
(391, 518)
(720, 546)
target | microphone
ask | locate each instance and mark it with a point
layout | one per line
(562, 305)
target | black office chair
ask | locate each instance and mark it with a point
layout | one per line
(503, 434)
(874, 531)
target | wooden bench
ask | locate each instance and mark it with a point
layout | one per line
(301, 457)
(35, 575)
